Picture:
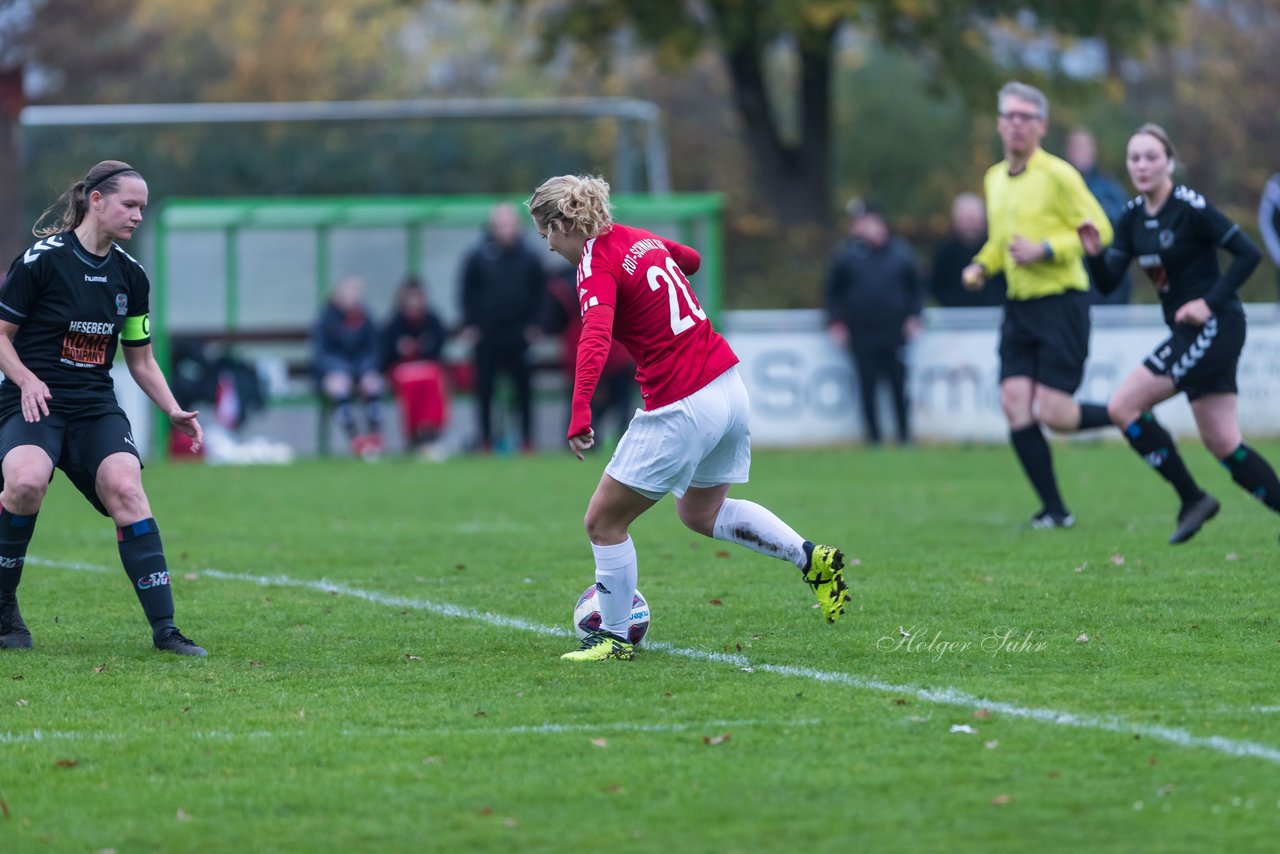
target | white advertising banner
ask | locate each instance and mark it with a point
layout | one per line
(804, 391)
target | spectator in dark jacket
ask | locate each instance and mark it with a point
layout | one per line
(503, 289)
(968, 233)
(1081, 151)
(344, 356)
(412, 343)
(1269, 220)
(873, 300)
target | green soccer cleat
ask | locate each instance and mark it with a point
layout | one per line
(826, 576)
(599, 646)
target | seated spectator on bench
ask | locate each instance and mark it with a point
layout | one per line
(344, 353)
(411, 346)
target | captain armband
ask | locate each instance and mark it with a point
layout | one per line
(136, 331)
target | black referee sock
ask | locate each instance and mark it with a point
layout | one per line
(15, 536)
(1033, 452)
(1093, 416)
(1252, 472)
(1154, 444)
(143, 559)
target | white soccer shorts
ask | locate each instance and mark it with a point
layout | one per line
(702, 440)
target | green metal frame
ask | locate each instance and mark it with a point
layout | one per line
(697, 217)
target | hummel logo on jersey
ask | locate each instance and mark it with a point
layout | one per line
(40, 246)
(89, 278)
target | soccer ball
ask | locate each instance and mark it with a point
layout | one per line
(586, 616)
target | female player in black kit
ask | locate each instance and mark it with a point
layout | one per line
(1175, 235)
(66, 302)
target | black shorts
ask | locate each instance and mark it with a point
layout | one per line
(1046, 339)
(77, 445)
(1201, 360)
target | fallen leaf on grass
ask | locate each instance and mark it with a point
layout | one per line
(1082, 638)
(982, 713)
(614, 789)
(413, 657)
(600, 742)
(715, 602)
(1232, 556)
(100, 668)
(1053, 775)
(21, 702)
(991, 745)
(4, 808)
(17, 677)
(255, 663)
(182, 815)
(429, 760)
(1081, 567)
(901, 701)
(509, 822)
(1001, 800)
(722, 553)
(67, 763)
(1117, 559)
(486, 810)
(964, 728)
(748, 670)
(716, 740)
(481, 713)
(190, 576)
(739, 646)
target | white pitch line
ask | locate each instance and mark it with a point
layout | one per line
(940, 696)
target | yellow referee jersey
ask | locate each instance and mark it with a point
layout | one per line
(1043, 203)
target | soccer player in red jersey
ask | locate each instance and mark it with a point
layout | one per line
(692, 439)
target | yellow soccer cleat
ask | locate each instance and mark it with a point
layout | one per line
(600, 646)
(826, 576)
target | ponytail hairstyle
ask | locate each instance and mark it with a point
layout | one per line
(1162, 136)
(74, 201)
(578, 202)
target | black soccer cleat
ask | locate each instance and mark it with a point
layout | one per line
(14, 633)
(176, 642)
(1193, 516)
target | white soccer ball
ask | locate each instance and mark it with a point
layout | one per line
(586, 616)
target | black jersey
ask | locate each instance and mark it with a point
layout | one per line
(70, 307)
(1177, 248)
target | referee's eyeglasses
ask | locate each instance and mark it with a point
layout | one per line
(1019, 116)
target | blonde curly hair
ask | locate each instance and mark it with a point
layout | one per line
(580, 202)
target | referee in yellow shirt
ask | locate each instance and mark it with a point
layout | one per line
(1035, 202)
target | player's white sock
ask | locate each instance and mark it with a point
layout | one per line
(616, 571)
(748, 524)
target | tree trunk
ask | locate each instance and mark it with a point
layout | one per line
(794, 180)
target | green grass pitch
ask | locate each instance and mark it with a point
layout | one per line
(384, 675)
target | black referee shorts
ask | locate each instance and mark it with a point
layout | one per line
(76, 444)
(1201, 360)
(1046, 339)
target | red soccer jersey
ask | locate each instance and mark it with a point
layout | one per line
(632, 282)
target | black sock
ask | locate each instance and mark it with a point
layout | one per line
(373, 414)
(345, 412)
(143, 559)
(1093, 416)
(1252, 472)
(1154, 444)
(15, 536)
(1033, 452)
